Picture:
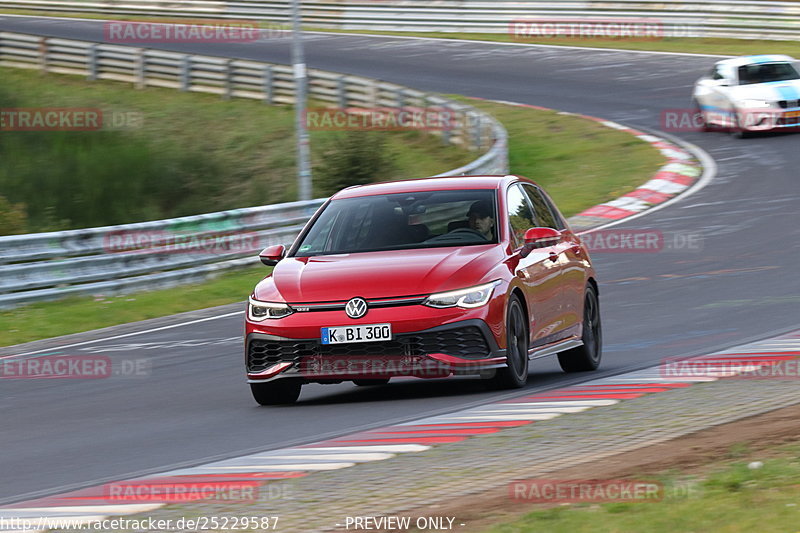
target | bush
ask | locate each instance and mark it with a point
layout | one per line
(13, 219)
(83, 179)
(353, 158)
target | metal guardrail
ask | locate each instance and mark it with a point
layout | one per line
(739, 19)
(117, 259)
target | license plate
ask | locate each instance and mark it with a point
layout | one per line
(792, 114)
(362, 333)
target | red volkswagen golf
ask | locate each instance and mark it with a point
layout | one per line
(467, 275)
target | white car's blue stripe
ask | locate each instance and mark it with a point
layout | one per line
(763, 59)
(785, 92)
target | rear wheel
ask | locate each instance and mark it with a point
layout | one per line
(280, 392)
(369, 382)
(586, 357)
(515, 375)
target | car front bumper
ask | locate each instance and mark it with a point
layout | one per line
(465, 347)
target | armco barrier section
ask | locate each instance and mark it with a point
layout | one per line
(125, 258)
(738, 19)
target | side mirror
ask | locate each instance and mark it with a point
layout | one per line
(539, 238)
(271, 255)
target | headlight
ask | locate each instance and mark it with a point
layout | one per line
(755, 104)
(259, 311)
(465, 298)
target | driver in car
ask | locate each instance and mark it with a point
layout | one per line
(480, 219)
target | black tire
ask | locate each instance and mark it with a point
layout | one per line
(370, 382)
(586, 357)
(280, 392)
(515, 375)
(738, 131)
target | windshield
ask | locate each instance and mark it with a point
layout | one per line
(749, 74)
(403, 221)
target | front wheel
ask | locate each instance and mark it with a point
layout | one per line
(515, 375)
(700, 118)
(586, 357)
(739, 131)
(280, 392)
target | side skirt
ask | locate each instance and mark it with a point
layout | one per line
(554, 348)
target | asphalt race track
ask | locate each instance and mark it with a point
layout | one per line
(195, 404)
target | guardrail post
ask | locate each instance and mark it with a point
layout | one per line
(446, 132)
(139, 68)
(477, 131)
(373, 90)
(43, 54)
(269, 87)
(228, 79)
(186, 68)
(341, 92)
(91, 64)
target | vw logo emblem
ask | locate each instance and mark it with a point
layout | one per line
(356, 308)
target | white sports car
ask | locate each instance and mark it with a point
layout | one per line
(750, 93)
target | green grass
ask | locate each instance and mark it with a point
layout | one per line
(194, 153)
(730, 498)
(579, 162)
(76, 314)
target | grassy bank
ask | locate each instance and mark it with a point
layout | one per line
(75, 314)
(578, 161)
(728, 496)
(185, 153)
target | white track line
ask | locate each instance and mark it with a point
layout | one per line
(152, 330)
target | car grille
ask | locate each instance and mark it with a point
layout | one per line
(789, 103)
(467, 342)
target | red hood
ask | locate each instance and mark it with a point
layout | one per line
(378, 274)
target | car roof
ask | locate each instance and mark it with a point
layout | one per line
(756, 60)
(443, 183)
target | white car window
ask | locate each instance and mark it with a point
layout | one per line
(766, 72)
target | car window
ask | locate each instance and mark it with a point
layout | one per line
(520, 216)
(544, 215)
(401, 221)
(722, 72)
(766, 72)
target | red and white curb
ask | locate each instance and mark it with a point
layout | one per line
(680, 172)
(93, 505)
